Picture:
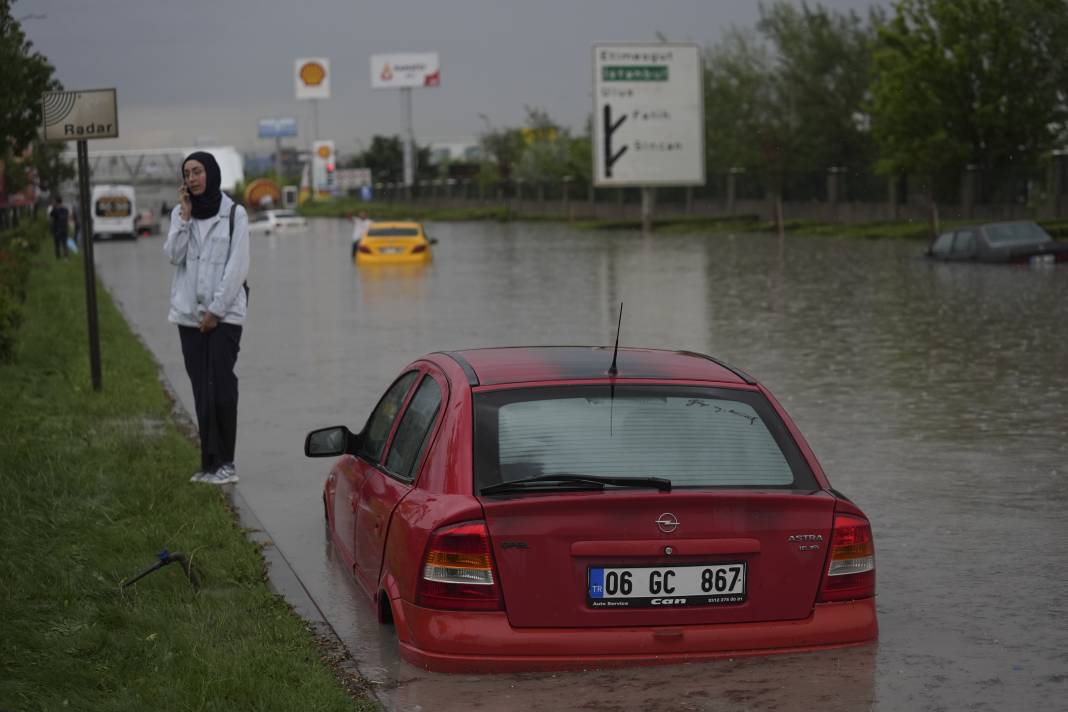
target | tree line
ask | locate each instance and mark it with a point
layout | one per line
(924, 88)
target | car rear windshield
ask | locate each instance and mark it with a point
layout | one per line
(286, 214)
(695, 437)
(1007, 233)
(393, 232)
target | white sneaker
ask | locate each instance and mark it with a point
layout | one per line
(199, 476)
(225, 475)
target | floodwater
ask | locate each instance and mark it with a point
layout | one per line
(935, 396)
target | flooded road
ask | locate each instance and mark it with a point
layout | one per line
(935, 396)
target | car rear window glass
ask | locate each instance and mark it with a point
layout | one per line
(1006, 233)
(374, 435)
(696, 437)
(964, 243)
(393, 232)
(285, 214)
(414, 429)
(942, 244)
(113, 206)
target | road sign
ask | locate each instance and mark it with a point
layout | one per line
(312, 77)
(648, 126)
(394, 71)
(80, 115)
(278, 128)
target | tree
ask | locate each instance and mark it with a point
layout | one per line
(26, 76)
(824, 56)
(751, 117)
(385, 158)
(957, 82)
(789, 96)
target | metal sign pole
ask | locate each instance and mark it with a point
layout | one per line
(409, 139)
(87, 256)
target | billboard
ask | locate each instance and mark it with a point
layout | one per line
(648, 120)
(312, 77)
(278, 128)
(395, 71)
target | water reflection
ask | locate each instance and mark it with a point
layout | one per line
(934, 395)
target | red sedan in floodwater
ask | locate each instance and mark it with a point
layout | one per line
(513, 509)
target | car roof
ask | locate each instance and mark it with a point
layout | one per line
(526, 364)
(395, 223)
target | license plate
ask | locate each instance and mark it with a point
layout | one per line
(668, 586)
(391, 250)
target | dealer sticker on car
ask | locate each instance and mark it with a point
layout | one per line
(666, 586)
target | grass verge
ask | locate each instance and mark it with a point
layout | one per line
(681, 224)
(94, 485)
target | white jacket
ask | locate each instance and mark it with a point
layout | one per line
(210, 269)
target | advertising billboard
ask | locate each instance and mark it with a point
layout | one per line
(395, 71)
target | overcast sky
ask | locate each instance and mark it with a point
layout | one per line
(203, 71)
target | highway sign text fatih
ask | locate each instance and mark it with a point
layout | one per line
(648, 121)
(80, 115)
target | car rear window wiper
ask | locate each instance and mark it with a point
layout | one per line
(540, 482)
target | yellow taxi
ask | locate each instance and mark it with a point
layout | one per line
(393, 243)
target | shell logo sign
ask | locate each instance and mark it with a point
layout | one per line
(312, 74)
(324, 152)
(312, 77)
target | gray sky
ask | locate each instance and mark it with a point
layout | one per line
(204, 71)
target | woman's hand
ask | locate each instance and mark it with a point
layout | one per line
(187, 205)
(208, 322)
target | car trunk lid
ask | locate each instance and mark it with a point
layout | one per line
(659, 558)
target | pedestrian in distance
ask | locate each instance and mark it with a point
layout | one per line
(361, 224)
(208, 245)
(59, 222)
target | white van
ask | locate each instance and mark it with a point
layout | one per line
(114, 211)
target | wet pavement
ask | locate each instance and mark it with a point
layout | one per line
(935, 396)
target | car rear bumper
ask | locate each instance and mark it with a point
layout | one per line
(454, 641)
(418, 258)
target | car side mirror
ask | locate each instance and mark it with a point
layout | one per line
(330, 442)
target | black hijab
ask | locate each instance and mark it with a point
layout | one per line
(205, 205)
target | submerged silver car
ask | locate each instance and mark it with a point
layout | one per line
(1021, 241)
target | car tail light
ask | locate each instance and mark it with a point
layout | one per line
(458, 570)
(418, 248)
(365, 249)
(851, 566)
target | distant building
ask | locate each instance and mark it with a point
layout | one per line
(455, 151)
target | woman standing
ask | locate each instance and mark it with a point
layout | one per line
(209, 247)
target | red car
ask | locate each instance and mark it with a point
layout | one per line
(545, 508)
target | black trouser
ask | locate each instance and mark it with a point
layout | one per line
(60, 243)
(209, 360)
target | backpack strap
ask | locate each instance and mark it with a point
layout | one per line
(233, 211)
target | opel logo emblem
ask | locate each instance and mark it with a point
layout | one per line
(667, 522)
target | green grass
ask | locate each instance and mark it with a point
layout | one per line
(680, 225)
(93, 486)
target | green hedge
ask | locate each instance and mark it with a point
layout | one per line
(17, 247)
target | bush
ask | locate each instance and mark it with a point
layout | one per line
(16, 249)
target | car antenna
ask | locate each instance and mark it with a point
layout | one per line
(612, 370)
